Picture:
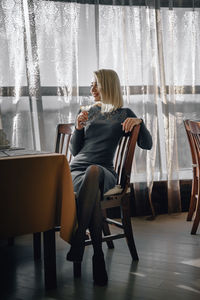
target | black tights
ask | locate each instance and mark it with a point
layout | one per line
(89, 212)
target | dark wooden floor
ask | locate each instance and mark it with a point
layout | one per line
(169, 266)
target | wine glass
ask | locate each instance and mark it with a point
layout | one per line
(85, 106)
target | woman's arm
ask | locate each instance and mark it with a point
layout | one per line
(77, 139)
(144, 139)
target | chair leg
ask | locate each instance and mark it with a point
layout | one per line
(126, 221)
(37, 245)
(106, 230)
(49, 259)
(197, 217)
(192, 207)
(152, 207)
(193, 199)
(77, 269)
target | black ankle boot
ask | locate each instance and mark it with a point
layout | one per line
(75, 253)
(100, 276)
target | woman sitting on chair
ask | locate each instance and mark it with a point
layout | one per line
(98, 130)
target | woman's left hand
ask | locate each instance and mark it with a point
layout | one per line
(129, 123)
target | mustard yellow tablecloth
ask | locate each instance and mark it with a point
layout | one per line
(36, 193)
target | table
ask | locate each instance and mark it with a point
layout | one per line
(37, 194)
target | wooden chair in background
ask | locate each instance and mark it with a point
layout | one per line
(195, 134)
(193, 198)
(64, 132)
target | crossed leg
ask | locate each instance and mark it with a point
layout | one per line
(90, 216)
(88, 213)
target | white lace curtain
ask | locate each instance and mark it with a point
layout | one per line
(154, 50)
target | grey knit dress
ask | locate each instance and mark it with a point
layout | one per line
(96, 143)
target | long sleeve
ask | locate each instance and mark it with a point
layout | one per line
(76, 141)
(144, 139)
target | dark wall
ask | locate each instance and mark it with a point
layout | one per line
(140, 206)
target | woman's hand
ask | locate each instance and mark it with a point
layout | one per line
(129, 123)
(81, 120)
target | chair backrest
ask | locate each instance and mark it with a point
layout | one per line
(64, 132)
(195, 133)
(191, 142)
(123, 156)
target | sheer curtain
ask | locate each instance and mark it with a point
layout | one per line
(128, 44)
(56, 45)
(14, 107)
(181, 45)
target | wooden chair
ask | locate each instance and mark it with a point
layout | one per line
(195, 133)
(119, 196)
(64, 132)
(193, 198)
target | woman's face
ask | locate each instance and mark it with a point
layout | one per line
(94, 90)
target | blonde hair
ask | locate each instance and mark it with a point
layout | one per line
(109, 87)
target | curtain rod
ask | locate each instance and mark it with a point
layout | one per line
(151, 3)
